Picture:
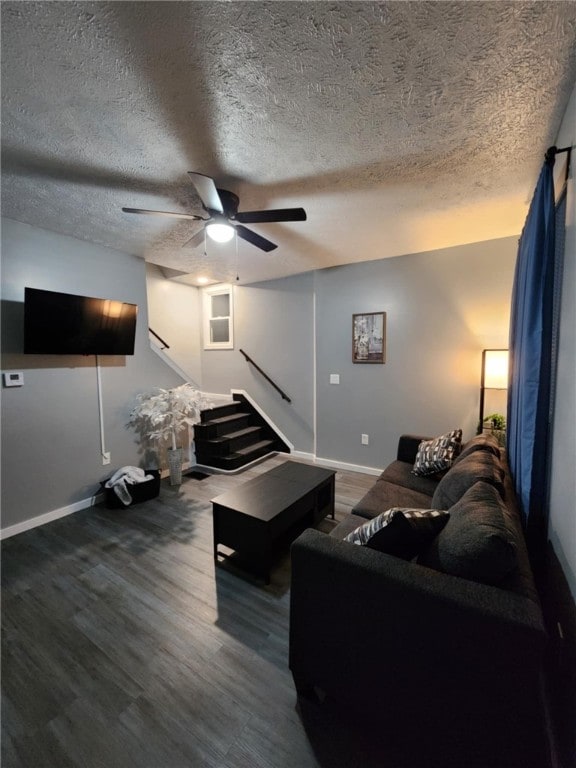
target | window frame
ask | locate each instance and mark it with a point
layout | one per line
(222, 289)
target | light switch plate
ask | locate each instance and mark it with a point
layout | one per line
(334, 378)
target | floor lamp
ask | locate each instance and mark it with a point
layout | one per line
(494, 376)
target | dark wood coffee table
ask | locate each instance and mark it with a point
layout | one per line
(265, 514)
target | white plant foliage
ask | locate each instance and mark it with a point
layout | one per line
(163, 414)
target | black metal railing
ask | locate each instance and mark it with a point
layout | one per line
(276, 387)
(165, 345)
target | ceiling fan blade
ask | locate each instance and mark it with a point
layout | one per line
(280, 214)
(196, 239)
(252, 237)
(207, 191)
(164, 213)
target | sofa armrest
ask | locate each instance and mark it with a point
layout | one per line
(408, 447)
(357, 615)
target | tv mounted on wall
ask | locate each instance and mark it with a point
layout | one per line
(65, 324)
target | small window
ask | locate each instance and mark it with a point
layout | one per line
(218, 317)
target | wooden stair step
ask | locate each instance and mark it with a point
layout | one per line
(233, 435)
(224, 419)
(218, 411)
(242, 457)
(255, 447)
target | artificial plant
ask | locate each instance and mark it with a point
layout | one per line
(164, 413)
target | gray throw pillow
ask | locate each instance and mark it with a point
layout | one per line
(477, 466)
(477, 543)
(400, 531)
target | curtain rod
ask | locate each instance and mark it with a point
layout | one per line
(552, 151)
(550, 155)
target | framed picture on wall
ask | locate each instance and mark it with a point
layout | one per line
(369, 337)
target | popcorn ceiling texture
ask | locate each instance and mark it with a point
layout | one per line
(399, 126)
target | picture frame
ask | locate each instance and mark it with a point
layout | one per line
(369, 337)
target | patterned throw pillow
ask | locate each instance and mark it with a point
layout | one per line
(437, 455)
(400, 531)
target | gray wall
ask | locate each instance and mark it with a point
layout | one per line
(562, 527)
(174, 313)
(442, 309)
(50, 426)
(274, 325)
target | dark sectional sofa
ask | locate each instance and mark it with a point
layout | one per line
(441, 653)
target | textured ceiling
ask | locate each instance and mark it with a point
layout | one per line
(399, 126)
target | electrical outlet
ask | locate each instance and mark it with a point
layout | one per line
(106, 458)
(364, 439)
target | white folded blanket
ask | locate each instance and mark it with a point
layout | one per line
(123, 478)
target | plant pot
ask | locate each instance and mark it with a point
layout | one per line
(175, 465)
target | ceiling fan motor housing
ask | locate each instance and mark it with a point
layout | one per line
(221, 205)
(230, 203)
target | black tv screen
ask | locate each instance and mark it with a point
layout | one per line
(64, 324)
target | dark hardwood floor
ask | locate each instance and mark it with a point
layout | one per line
(123, 646)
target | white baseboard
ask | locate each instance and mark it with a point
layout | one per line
(239, 470)
(349, 467)
(48, 517)
(330, 464)
(303, 455)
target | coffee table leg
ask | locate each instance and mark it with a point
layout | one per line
(263, 568)
(215, 532)
(333, 494)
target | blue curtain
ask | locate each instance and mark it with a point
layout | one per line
(531, 331)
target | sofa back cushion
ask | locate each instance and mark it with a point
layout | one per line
(477, 466)
(484, 442)
(477, 542)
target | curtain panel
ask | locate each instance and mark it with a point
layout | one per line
(531, 342)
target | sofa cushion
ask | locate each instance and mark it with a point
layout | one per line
(384, 495)
(437, 455)
(476, 543)
(399, 531)
(400, 473)
(346, 526)
(485, 442)
(478, 465)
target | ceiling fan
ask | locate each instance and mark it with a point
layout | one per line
(223, 218)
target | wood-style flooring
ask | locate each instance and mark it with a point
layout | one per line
(124, 647)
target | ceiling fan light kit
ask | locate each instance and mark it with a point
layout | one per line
(221, 233)
(224, 220)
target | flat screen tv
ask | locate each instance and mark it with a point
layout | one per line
(65, 324)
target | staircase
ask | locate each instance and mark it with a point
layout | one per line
(231, 436)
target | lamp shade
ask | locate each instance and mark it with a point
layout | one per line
(495, 368)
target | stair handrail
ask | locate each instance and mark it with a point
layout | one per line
(276, 387)
(160, 339)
